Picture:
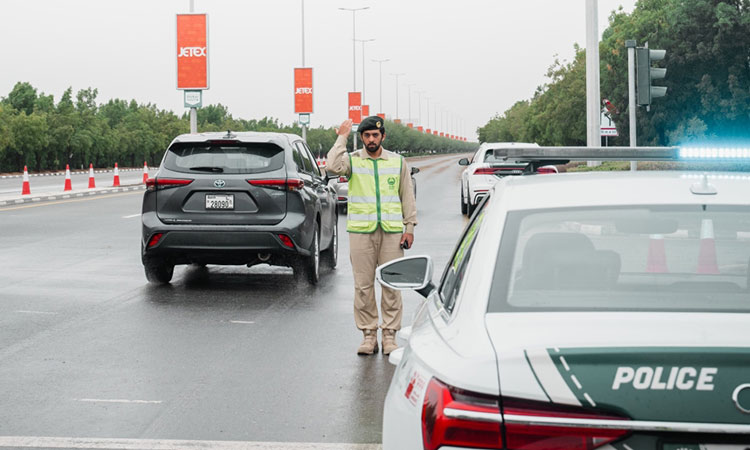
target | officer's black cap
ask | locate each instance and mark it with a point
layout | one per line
(372, 123)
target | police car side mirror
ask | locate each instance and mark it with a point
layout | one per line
(463, 162)
(408, 273)
(414, 170)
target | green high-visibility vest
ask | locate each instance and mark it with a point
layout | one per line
(374, 195)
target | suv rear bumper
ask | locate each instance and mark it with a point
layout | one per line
(184, 244)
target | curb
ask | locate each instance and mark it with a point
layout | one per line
(85, 172)
(42, 198)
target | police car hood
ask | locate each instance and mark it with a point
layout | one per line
(673, 367)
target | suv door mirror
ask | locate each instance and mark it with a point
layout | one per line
(463, 162)
(409, 273)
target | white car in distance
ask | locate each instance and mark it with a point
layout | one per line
(484, 169)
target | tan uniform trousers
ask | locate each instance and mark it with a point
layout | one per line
(367, 252)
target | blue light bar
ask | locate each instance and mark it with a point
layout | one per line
(713, 153)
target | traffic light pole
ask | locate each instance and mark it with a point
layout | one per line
(630, 44)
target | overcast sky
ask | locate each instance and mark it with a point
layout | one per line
(471, 58)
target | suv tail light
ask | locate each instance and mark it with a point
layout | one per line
(536, 425)
(290, 184)
(157, 184)
(453, 417)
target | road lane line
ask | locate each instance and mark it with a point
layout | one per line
(169, 444)
(67, 201)
(131, 216)
(117, 400)
(241, 321)
(23, 311)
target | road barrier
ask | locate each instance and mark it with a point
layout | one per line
(68, 184)
(92, 182)
(116, 180)
(25, 187)
(657, 255)
(707, 263)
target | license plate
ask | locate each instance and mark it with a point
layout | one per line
(219, 201)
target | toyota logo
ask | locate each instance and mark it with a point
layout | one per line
(736, 398)
(220, 183)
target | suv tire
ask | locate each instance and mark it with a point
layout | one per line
(158, 270)
(309, 266)
(331, 255)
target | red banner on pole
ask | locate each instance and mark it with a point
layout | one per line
(428, 131)
(442, 134)
(434, 133)
(192, 51)
(420, 129)
(365, 111)
(303, 90)
(410, 125)
(381, 115)
(355, 107)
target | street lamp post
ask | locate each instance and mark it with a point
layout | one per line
(363, 41)
(409, 86)
(397, 75)
(380, 65)
(304, 127)
(354, 42)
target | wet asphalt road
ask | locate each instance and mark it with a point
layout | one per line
(89, 349)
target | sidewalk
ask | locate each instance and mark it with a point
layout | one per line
(35, 197)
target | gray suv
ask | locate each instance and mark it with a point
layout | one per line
(240, 198)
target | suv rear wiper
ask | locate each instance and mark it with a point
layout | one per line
(208, 169)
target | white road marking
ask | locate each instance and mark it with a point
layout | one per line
(565, 364)
(241, 321)
(576, 382)
(589, 399)
(168, 444)
(131, 216)
(34, 312)
(117, 400)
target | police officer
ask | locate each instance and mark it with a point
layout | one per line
(381, 217)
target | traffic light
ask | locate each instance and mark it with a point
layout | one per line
(645, 73)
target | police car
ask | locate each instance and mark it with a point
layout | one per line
(483, 171)
(583, 311)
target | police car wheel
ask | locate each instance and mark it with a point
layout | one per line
(470, 209)
(464, 209)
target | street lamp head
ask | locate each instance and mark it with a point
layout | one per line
(380, 60)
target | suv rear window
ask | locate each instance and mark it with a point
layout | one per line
(667, 258)
(235, 158)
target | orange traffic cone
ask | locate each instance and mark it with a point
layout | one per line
(92, 183)
(707, 263)
(145, 172)
(68, 185)
(25, 189)
(657, 255)
(116, 181)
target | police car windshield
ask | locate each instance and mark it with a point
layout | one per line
(631, 259)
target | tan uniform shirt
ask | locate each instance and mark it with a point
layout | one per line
(338, 163)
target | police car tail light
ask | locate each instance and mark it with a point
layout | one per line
(157, 184)
(454, 417)
(539, 425)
